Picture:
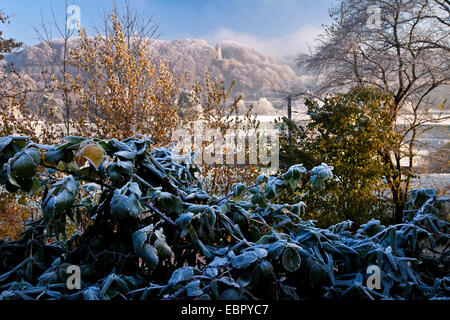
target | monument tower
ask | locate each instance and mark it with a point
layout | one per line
(219, 51)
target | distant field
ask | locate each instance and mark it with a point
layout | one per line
(440, 182)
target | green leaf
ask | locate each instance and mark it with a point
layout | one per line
(219, 262)
(135, 205)
(276, 249)
(260, 252)
(24, 164)
(319, 175)
(91, 293)
(48, 210)
(4, 142)
(184, 220)
(262, 178)
(266, 268)
(291, 259)
(149, 255)
(74, 139)
(170, 203)
(119, 145)
(243, 260)
(164, 251)
(120, 205)
(290, 291)
(244, 279)
(319, 275)
(193, 289)
(181, 275)
(123, 206)
(293, 175)
(238, 189)
(125, 155)
(61, 197)
(119, 171)
(205, 250)
(230, 294)
(229, 282)
(197, 196)
(107, 284)
(54, 156)
(65, 199)
(139, 238)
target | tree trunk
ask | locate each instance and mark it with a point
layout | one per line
(398, 213)
(399, 206)
(289, 110)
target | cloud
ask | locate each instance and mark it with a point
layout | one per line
(288, 44)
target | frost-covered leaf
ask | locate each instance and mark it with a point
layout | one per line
(291, 259)
(181, 274)
(164, 251)
(149, 255)
(243, 260)
(238, 189)
(170, 203)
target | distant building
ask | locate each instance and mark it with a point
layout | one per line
(219, 52)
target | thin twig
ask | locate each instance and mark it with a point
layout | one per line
(166, 218)
(82, 177)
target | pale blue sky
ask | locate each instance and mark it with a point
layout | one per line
(275, 26)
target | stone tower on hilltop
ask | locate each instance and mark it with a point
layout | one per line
(219, 52)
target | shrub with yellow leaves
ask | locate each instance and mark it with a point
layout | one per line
(121, 91)
(220, 112)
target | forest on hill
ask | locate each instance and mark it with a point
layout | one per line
(131, 168)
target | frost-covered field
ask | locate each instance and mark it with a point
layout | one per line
(438, 181)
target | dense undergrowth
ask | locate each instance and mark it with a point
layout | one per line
(154, 233)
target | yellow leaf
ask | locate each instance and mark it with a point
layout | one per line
(95, 153)
(442, 105)
(92, 152)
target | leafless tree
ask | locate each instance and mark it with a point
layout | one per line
(407, 55)
(289, 91)
(444, 7)
(57, 64)
(134, 23)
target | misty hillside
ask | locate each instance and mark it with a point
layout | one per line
(256, 74)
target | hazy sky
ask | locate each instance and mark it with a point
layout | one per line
(273, 26)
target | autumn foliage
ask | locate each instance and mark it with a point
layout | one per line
(121, 91)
